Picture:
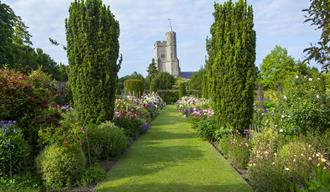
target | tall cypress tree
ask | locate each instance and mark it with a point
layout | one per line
(93, 50)
(230, 65)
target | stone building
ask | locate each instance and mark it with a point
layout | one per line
(165, 55)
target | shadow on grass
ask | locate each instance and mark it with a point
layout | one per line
(151, 159)
(176, 187)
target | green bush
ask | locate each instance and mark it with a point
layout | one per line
(69, 131)
(134, 87)
(61, 166)
(21, 183)
(239, 151)
(13, 151)
(320, 182)
(106, 141)
(206, 128)
(182, 89)
(162, 80)
(169, 96)
(92, 175)
(131, 126)
(305, 107)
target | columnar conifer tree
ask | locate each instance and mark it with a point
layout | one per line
(93, 50)
(230, 68)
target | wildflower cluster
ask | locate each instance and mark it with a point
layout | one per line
(195, 107)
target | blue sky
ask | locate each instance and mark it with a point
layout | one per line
(143, 22)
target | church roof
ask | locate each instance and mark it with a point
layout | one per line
(187, 75)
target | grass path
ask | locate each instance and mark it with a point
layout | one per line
(170, 158)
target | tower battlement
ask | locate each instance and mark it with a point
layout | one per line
(165, 55)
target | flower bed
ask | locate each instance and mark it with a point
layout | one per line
(135, 114)
(269, 159)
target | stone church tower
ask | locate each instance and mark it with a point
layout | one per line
(165, 55)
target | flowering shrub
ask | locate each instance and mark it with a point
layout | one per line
(303, 107)
(299, 159)
(195, 107)
(15, 94)
(135, 114)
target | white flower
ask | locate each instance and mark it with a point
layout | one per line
(297, 76)
(287, 169)
(285, 97)
(281, 130)
(282, 116)
(318, 78)
(310, 79)
(317, 96)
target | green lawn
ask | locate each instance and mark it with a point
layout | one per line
(170, 158)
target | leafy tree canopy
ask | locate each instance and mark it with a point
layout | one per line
(318, 14)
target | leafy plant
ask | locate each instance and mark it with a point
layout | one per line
(238, 151)
(106, 141)
(61, 166)
(13, 150)
(92, 175)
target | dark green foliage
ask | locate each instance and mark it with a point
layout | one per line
(69, 131)
(61, 166)
(13, 151)
(93, 50)
(195, 83)
(152, 69)
(230, 66)
(319, 183)
(15, 48)
(169, 96)
(106, 141)
(134, 87)
(152, 72)
(182, 89)
(163, 80)
(318, 13)
(131, 126)
(92, 175)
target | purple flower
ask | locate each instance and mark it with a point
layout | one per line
(144, 127)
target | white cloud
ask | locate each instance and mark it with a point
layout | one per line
(145, 21)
